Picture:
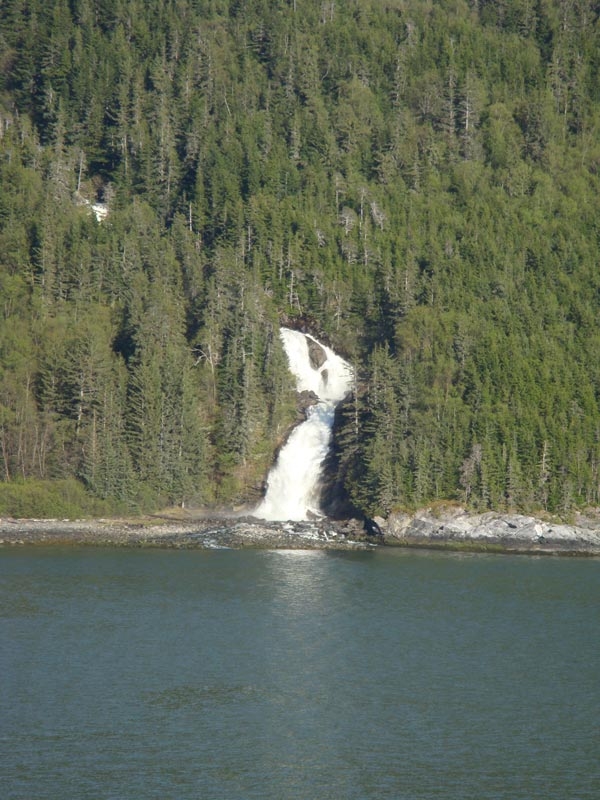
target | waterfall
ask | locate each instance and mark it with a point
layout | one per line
(293, 482)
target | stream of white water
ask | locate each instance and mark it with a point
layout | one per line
(293, 483)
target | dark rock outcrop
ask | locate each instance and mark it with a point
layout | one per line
(306, 399)
(316, 355)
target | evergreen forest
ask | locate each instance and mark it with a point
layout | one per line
(415, 182)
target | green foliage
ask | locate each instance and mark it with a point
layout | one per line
(63, 499)
(421, 179)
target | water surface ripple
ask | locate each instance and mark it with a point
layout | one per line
(297, 675)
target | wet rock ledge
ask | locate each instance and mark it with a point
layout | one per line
(200, 533)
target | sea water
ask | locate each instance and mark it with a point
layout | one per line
(297, 675)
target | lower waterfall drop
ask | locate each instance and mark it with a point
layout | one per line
(293, 482)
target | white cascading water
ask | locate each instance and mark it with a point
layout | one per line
(293, 482)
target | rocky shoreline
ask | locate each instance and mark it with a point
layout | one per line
(449, 528)
(199, 533)
(455, 528)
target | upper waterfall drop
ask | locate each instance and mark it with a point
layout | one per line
(330, 378)
(293, 482)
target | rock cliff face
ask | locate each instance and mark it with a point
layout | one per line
(510, 532)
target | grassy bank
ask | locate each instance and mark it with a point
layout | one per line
(37, 499)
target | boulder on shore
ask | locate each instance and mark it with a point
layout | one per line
(493, 530)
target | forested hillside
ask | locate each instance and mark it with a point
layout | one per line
(417, 180)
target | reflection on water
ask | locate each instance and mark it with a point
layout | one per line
(298, 582)
(310, 675)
